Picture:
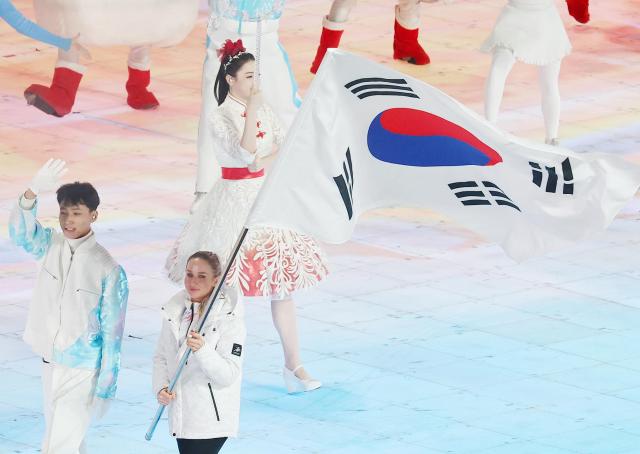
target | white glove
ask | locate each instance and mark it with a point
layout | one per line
(48, 176)
(197, 200)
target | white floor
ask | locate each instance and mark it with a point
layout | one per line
(423, 343)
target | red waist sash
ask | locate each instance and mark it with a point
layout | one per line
(240, 173)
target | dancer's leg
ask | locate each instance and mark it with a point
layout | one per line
(283, 313)
(340, 10)
(550, 92)
(503, 60)
(408, 13)
(59, 97)
(69, 394)
(139, 58)
(139, 64)
(332, 29)
(406, 29)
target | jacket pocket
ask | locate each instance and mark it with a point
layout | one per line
(213, 400)
(88, 299)
(85, 291)
(49, 273)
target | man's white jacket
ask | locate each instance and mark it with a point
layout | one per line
(76, 317)
(207, 403)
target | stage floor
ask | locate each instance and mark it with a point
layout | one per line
(427, 338)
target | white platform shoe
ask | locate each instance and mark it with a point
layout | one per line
(297, 385)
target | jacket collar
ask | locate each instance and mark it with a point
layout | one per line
(82, 245)
(173, 309)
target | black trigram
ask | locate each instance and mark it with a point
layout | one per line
(379, 86)
(471, 193)
(552, 177)
(345, 184)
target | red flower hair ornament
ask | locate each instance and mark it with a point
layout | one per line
(230, 51)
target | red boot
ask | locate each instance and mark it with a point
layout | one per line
(579, 9)
(406, 46)
(57, 99)
(330, 38)
(138, 95)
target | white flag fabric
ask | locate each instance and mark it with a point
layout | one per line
(368, 137)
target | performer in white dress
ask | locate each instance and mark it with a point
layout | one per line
(530, 31)
(272, 262)
(236, 19)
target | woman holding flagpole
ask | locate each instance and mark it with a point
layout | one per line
(204, 405)
(272, 262)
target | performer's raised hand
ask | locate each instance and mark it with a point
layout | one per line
(165, 397)
(255, 99)
(47, 177)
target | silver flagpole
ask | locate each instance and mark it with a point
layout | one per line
(258, 46)
(186, 354)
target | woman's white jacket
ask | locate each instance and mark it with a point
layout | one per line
(207, 403)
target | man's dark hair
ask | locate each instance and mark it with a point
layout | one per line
(78, 194)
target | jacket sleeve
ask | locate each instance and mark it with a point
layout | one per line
(221, 361)
(21, 24)
(225, 131)
(113, 308)
(161, 377)
(26, 232)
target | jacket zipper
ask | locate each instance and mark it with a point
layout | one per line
(213, 399)
(61, 296)
(186, 336)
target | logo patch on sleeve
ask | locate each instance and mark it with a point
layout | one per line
(236, 350)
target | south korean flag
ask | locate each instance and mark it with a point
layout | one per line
(369, 137)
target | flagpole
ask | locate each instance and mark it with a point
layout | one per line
(186, 354)
(258, 48)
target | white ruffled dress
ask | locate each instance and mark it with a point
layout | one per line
(272, 262)
(532, 30)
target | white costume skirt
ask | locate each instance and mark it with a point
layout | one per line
(272, 262)
(533, 30)
(119, 22)
(278, 85)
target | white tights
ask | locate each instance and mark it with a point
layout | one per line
(283, 312)
(139, 58)
(407, 12)
(503, 60)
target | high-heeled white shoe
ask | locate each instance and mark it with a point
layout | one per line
(297, 385)
(553, 142)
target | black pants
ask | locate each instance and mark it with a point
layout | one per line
(203, 446)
